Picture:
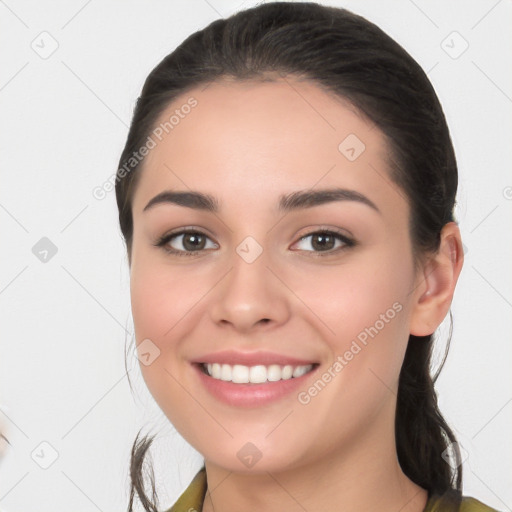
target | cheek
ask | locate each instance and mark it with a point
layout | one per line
(162, 305)
(155, 308)
(161, 299)
(148, 305)
(349, 299)
(167, 303)
(366, 309)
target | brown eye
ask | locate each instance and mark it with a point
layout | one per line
(185, 242)
(325, 241)
(193, 241)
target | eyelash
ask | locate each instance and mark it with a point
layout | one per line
(165, 239)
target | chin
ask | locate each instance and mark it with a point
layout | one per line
(251, 460)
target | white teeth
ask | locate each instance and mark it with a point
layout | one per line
(215, 370)
(241, 374)
(300, 371)
(225, 372)
(287, 372)
(257, 374)
(274, 373)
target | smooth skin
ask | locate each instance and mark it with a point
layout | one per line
(247, 143)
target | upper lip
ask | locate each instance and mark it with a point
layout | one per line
(232, 357)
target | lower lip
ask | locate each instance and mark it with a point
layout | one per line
(251, 395)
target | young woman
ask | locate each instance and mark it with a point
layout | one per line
(286, 194)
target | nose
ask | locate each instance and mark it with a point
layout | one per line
(250, 297)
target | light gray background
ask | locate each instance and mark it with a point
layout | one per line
(65, 322)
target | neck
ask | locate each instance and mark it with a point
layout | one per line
(365, 479)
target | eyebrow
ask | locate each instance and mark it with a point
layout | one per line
(287, 202)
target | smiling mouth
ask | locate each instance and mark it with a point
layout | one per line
(258, 374)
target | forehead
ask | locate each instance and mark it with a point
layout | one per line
(243, 139)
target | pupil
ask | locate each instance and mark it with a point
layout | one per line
(194, 245)
(324, 240)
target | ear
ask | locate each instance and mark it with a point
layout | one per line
(435, 283)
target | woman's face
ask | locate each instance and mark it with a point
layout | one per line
(279, 276)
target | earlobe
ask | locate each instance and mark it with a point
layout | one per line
(436, 283)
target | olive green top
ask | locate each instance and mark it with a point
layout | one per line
(192, 499)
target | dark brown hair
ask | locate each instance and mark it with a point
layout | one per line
(353, 59)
